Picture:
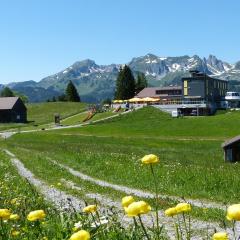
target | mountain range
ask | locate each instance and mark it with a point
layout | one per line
(97, 82)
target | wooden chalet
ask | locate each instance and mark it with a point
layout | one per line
(12, 109)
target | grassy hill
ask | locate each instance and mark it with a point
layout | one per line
(43, 113)
(189, 148)
(150, 122)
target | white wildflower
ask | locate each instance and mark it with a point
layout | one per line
(78, 225)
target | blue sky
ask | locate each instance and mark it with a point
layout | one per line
(39, 38)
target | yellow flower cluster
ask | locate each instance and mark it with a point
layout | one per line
(14, 217)
(220, 236)
(15, 233)
(179, 208)
(80, 235)
(133, 209)
(150, 159)
(233, 212)
(5, 214)
(90, 209)
(126, 201)
(36, 215)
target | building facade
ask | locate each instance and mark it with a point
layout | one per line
(202, 87)
(162, 93)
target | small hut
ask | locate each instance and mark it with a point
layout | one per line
(12, 109)
(232, 149)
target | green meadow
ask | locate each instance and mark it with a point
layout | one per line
(189, 148)
(191, 158)
(150, 122)
(42, 114)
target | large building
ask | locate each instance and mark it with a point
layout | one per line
(198, 95)
(202, 87)
(12, 109)
(163, 93)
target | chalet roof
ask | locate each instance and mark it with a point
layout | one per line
(151, 91)
(7, 102)
(231, 141)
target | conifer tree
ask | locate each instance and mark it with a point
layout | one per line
(7, 92)
(119, 87)
(125, 84)
(71, 93)
(141, 82)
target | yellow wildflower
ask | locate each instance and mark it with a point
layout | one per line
(90, 209)
(183, 207)
(126, 201)
(36, 215)
(14, 201)
(137, 208)
(149, 159)
(80, 235)
(15, 233)
(233, 212)
(4, 214)
(220, 236)
(171, 212)
(14, 217)
(59, 184)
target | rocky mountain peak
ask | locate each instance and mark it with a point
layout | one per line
(96, 82)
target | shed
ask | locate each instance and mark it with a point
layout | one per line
(12, 109)
(232, 149)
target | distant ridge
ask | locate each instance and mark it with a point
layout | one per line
(97, 82)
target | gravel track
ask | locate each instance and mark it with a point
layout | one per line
(137, 192)
(65, 201)
(60, 199)
(10, 133)
(168, 223)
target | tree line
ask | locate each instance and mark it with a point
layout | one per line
(126, 88)
(70, 95)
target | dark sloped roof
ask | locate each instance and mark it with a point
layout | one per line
(231, 141)
(7, 102)
(151, 91)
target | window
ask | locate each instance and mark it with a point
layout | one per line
(185, 85)
(207, 87)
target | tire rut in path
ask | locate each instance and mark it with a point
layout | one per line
(199, 227)
(60, 199)
(138, 192)
(65, 201)
(196, 224)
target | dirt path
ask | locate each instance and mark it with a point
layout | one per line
(199, 228)
(7, 134)
(137, 192)
(147, 137)
(63, 200)
(64, 119)
(60, 199)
